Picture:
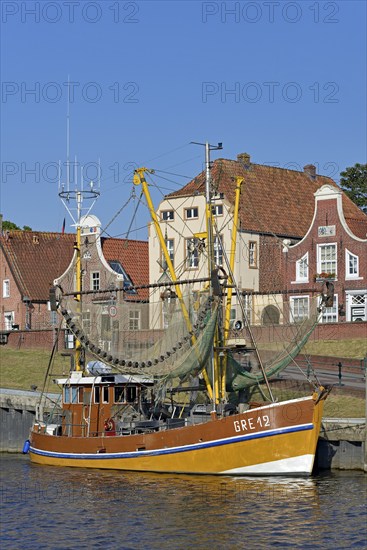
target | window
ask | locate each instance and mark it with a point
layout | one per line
(191, 213)
(218, 250)
(131, 394)
(86, 321)
(351, 265)
(167, 215)
(330, 314)
(299, 309)
(105, 326)
(170, 249)
(119, 394)
(80, 394)
(217, 210)
(66, 394)
(302, 268)
(356, 305)
(105, 396)
(6, 288)
(95, 280)
(192, 253)
(117, 267)
(97, 394)
(252, 254)
(134, 319)
(74, 394)
(9, 320)
(326, 259)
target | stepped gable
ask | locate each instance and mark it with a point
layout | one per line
(273, 200)
(36, 258)
(134, 258)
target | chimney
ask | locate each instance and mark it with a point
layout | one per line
(244, 159)
(310, 171)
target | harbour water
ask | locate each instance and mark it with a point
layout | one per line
(58, 508)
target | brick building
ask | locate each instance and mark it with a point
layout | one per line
(31, 261)
(276, 206)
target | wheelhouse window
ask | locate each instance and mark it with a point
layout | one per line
(134, 319)
(218, 250)
(119, 396)
(191, 213)
(302, 268)
(327, 259)
(66, 394)
(192, 253)
(299, 308)
(6, 288)
(97, 394)
(252, 254)
(131, 394)
(74, 394)
(95, 280)
(167, 215)
(351, 265)
(105, 396)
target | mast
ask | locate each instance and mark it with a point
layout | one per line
(139, 179)
(211, 262)
(227, 318)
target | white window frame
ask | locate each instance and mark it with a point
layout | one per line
(134, 319)
(192, 213)
(170, 245)
(350, 297)
(302, 269)
(349, 255)
(218, 249)
(192, 253)
(217, 209)
(6, 288)
(330, 314)
(321, 267)
(167, 215)
(293, 300)
(94, 279)
(252, 254)
(8, 320)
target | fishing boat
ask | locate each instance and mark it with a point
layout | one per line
(176, 398)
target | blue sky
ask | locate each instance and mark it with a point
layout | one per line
(283, 81)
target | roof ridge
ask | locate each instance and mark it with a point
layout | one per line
(269, 166)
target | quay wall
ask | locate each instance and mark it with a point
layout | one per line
(341, 446)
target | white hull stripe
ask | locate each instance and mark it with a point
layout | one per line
(299, 465)
(173, 450)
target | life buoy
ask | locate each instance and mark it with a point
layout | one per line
(109, 425)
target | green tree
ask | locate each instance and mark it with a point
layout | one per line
(353, 181)
(8, 226)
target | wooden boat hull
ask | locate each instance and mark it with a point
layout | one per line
(277, 439)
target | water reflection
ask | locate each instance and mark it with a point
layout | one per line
(76, 508)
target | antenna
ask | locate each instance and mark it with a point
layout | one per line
(79, 195)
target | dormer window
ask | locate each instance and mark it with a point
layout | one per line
(351, 265)
(302, 269)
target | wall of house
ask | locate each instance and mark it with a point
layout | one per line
(328, 218)
(12, 303)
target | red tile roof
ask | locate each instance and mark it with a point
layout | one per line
(37, 258)
(133, 256)
(273, 200)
